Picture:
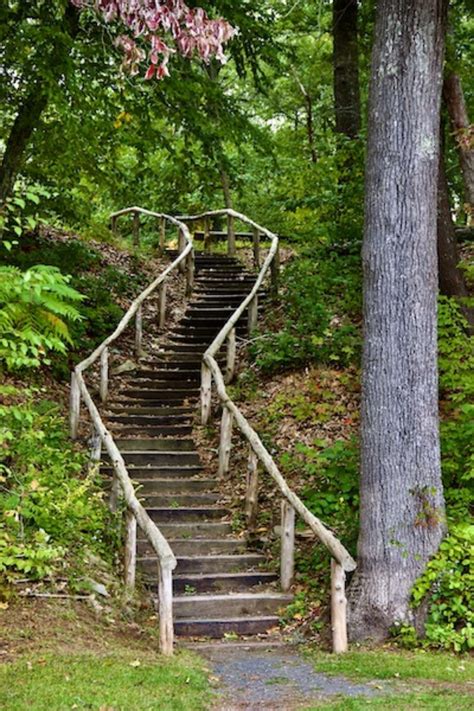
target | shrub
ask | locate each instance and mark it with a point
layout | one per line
(35, 308)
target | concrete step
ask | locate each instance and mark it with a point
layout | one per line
(195, 530)
(217, 628)
(187, 514)
(156, 445)
(221, 582)
(169, 487)
(230, 606)
(207, 564)
(178, 501)
(197, 546)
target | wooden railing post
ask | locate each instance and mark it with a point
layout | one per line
(104, 375)
(136, 229)
(231, 235)
(113, 225)
(75, 407)
(206, 393)
(253, 314)
(275, 273)
(139, 331)
(190, 265)
(96, 448)
(207, 236)
(115, 491)
(251, 500)
(162, 233)
(130, 562)
(338, 608)
(256, 247)
(162, 316)
(181, 248)
(287, 545)
(225, 442)
(231, 354)
(165, 594)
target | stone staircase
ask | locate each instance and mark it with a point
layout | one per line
(220, 585)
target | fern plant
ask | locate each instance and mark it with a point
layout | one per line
(35, 308)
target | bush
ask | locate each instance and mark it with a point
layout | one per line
(52, 510)
(35, 308)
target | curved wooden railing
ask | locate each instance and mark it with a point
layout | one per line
(136, 515)
(342, 561)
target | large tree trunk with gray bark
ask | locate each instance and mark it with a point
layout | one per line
(402, 504)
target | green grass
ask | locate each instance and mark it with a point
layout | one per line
(118, 682)
(419, 680)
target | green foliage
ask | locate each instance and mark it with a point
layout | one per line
(51, 508)
(35, 308)
(19, 213)
(322, 305)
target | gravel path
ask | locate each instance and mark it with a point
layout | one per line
(273, 679)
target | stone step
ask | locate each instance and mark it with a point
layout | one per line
(207, 564)
(195, 530)
(215, 582)
(217, 628)
(169, 444)
(160, 500)
(197, 546)
(168, 487)
(230, 606)
(173, 473)
(187, 514)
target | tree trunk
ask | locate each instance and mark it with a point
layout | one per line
(451, 278)
(309, 118)
(346, 67)
(454, 98)
(226, 190)
(30, 110)
(402, 503)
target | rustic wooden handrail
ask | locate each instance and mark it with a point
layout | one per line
(342, 561)
(136, 514)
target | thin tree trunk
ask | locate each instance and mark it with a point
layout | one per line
(454, 98)
(30, 111)
(309, 117)
(402, 503)
(346, 67)
(225, 182)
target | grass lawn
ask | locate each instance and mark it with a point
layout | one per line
(418, 680)
(120, 681)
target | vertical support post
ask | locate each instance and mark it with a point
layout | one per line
(256, 247)
(275, 273)
(225, 444)
(251, 500)
(206, 393)
(104, 375)
(113, 225)
(231, 235)
(190, 264)
(162, 233)
(207, 236)
(136, 229)
(130, 562)
(253, 314)
(181, 248)
(139, 331)
(231, 353)
(338, 608)
(162, 305)
(75, 407)
(115, 492)
(96, 447)
(287, 568)
(165, 594)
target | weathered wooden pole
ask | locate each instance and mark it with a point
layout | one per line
(162, 316)
(230, 235)
(275, 273)
(75, 407)
(139, 331)
(338, 608)
(251, 500)
(190, 267)
(287, 545)
(206, 393)
(181, 248)
(136, 229)
(104, 375)
(225, 445)
(162, 233)
(130, 562)
(231, 355)
(113, 225)
(207, 236)
(256, 247)
(253, 314)
(165, 594)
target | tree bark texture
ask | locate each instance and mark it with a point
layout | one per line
(402, 504)
(464, 134)
(346, 67)
(29, 113)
